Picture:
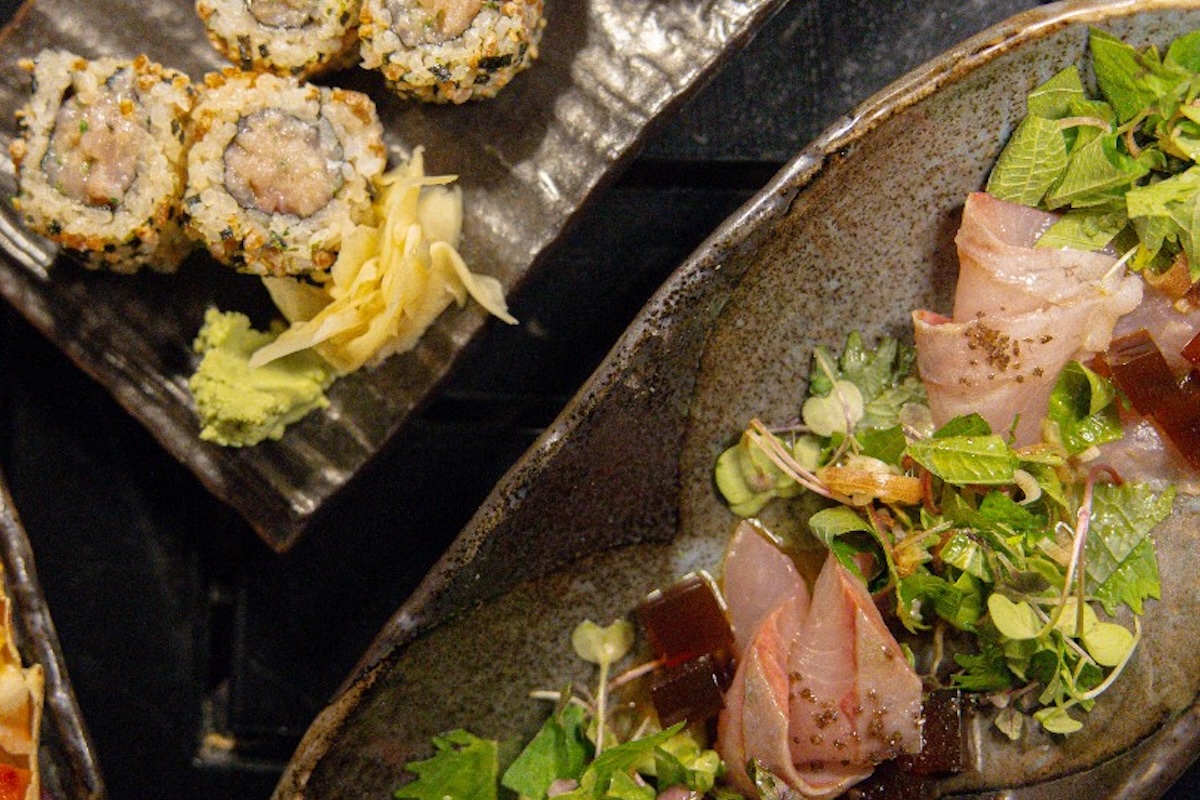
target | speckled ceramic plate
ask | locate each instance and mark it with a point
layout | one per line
(66, 756)
(617, 497)
(528, 162)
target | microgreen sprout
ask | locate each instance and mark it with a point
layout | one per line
(603, 646)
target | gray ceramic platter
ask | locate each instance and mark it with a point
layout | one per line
(528, 161)
(616, 498)
(66, 756)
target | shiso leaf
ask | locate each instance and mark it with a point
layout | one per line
(464, 767)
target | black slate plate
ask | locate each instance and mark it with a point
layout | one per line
(528, 162)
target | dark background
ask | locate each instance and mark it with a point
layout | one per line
(185, 635)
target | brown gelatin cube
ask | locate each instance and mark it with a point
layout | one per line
(688, 692)
(943, 735)
(889, 782)
(1191, 350)
(687, 620)
(1140, 371)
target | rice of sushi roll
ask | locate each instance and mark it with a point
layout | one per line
(288, 37)
(449, 51)
(279, 171)
(100, 159)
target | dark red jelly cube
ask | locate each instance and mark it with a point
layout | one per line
(690, 691)
(686, 621)
(889, 782)
(1140, 371)
(1191, 350)
(943, 735)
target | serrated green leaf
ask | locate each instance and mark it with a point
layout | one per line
(1119, 558)
(1054, 99)
(597, 780)
(1097, 173)
(1184, 53)
(1171, 204)
(559, 750)
(963, 460)
(464, 767)
(985, 671)
(1130, 80)
(1083, 406)
(885, 444)
(1034, 160)
(965, 425)
(1090, 228)
(961, 551)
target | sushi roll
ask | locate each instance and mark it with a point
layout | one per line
(288, 37)
(279, 171)
(449, 51)
(100, 159)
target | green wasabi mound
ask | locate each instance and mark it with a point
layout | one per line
(240, 406)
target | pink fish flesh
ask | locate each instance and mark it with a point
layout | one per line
(758, 574)
(1020, 314)
(822, 691)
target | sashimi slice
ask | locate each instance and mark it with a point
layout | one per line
(1000, 270)
(1002, 368)
(755, 576)
(1020, 314)
(755, 724)
(855, 700)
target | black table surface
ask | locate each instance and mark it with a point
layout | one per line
(198, 655)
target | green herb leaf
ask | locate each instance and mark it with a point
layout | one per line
(962, 460)
(1083, 405)
(1034, 160)
(1014, 620)
(681, 761)
(1119, 555)
(846, 534)
(1108, 643)
(1056, 720)
(1130, 80)
(1055, 98)
(985, 671)
(965, 425)
(1168, 209)
(607, 773)
(464, 767)
(885, 444)
(748, 479)
(559, 750)
(1091, 228)
(1097, 173)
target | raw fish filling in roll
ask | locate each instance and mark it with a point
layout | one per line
(93, 152)
(101, 158)
(280, 171)
(449, 51)
(287, 37)
(279, 164)
(283, 13)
